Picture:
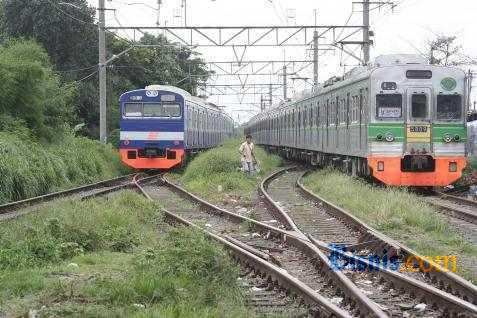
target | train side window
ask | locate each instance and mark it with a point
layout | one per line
(449, 107)
(347, 109)
(133, 110)
(419, 106)
(317, 114)
(336, 111)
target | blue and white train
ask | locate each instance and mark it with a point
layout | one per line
(161, 124)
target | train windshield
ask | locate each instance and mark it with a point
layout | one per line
(152, 110)
(156, 110)
(171, 110)
(133, 109)
(449, 107)
(388, 106)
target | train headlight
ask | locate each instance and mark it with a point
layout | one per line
(379, 137)
(456, 138)
(389, 137)
(447, 138)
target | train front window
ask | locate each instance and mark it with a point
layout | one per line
(133, 110)
(152, 110)
(419, 106)
(388, 106)
(171, 110)
(449, 107)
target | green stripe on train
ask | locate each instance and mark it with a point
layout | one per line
(453, 129)
(375, 129)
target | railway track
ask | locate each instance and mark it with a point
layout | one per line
(394, 294)
(18, 208)
(330, 228)
(324, 291)
(455, 206)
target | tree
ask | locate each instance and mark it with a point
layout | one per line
(444, 50)
(31, 92)
(68, 34)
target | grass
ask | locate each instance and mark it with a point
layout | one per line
(396, 212)
(113, 258)
(215, 173)
(29, 168)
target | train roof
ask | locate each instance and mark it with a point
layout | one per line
(185, 94)
(355, 74)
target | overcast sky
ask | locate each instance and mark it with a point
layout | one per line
(405, 29)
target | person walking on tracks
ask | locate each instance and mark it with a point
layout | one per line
(247, 154)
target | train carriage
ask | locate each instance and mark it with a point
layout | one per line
(160, 125)
(400, 120)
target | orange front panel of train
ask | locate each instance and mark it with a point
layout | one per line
(152, 163)
(391, 173)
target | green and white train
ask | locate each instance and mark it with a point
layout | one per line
(399, 119)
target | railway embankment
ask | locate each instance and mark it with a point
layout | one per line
(30, 168)
(402, 215)
(215, 174)
(109, 257)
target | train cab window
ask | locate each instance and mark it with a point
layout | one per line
(419, 106)
(133, 110)
(449, 107)
(152, 110)
(172, 110)
(388, 106)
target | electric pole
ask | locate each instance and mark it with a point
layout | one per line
(366, 31)
(158, 21)
(270, 93)
(102, 73)
(184, 4)
(285, 83)
(315, 59)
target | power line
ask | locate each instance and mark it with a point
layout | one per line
(77, 69)
(86, 77)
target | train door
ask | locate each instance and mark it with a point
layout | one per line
(418, 130)
(361, 124)
(347, 132)
(327, 128)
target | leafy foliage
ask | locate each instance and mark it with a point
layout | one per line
(30, 92)
(69, 35)
(29, 168)
(444, 50)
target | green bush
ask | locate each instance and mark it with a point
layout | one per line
(31, 92)
(29, 168)
(184, 270)
(71, 228)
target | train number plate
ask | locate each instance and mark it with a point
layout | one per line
(418, 129)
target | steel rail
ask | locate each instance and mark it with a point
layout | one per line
(452, 284)
(457, 206)
(353, 294)
(110, 185)
(441, 299)
(250, 258)
(280, 214)
(244, 255)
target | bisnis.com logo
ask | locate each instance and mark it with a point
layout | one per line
(341, 259)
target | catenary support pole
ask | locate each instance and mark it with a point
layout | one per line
(102, 73)
(284, 83)
(315, 59)
(366, 31)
